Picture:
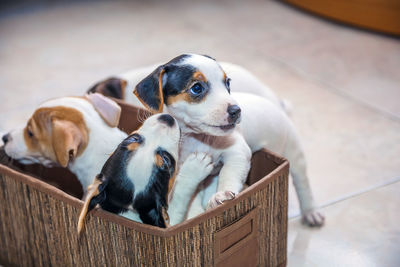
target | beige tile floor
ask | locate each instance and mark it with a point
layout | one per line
(344, 85)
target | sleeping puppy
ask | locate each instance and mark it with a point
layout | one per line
(77, 133)
(196, 91)
(137, 178)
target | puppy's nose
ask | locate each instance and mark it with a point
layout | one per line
(6, 138)
(234, 113)
(167, 119)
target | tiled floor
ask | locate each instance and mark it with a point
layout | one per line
(344, 85)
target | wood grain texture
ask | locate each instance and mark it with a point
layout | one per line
(378, 15)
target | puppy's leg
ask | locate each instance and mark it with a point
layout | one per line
(193, 170)
(233, 174)
(294, 153)
(196, 206)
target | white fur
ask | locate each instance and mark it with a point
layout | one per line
(264, 125)
(102, 141)
(193, 170)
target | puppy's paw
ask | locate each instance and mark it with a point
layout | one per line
(313, 218)
(198, 166)
(219, 198)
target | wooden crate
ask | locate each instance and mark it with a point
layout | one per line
(38, 222)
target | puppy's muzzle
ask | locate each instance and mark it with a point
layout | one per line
(234, 112)
(6, 138)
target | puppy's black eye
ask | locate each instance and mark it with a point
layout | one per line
(228, 84)
(197, 89)
(30, 134)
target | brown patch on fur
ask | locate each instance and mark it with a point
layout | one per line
(171, 183)
(59, 134)
(184, 96)
(133, 146)
(165, 216)
(123, 87)
(225, 77)
(93, 190)
(199, 76)
(158, 160)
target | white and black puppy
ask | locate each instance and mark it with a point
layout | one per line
(78, 133)
(196, 91)
(136, 180)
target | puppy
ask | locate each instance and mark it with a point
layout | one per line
(196, 91)
(77, 133)
(137, 178)
(122, 85)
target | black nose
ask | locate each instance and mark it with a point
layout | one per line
(234, 113)
(6, 138)
(167, 119)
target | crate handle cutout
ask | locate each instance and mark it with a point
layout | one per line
(237, 240)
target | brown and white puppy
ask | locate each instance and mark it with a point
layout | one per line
(78, 133)
(138, 177)
(196, 91)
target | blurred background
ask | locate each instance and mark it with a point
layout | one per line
(343, 83)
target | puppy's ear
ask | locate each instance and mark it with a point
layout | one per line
(109, 110)
(150, 90)
(112, 87)
(67, 138)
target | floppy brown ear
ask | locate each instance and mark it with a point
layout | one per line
(67, 139)
(150, 90)
(109, 110)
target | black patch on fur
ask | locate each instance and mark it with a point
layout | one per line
(110, 87)
(148, 89)
(178, 79)
(117, 191)
(151, 201)
(167, 119)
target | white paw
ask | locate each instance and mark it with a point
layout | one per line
(197, 166)
(219, 198)
(313, 218)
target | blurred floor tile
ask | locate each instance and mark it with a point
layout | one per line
(362, 231)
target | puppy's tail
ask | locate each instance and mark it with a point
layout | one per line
(91, 200)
